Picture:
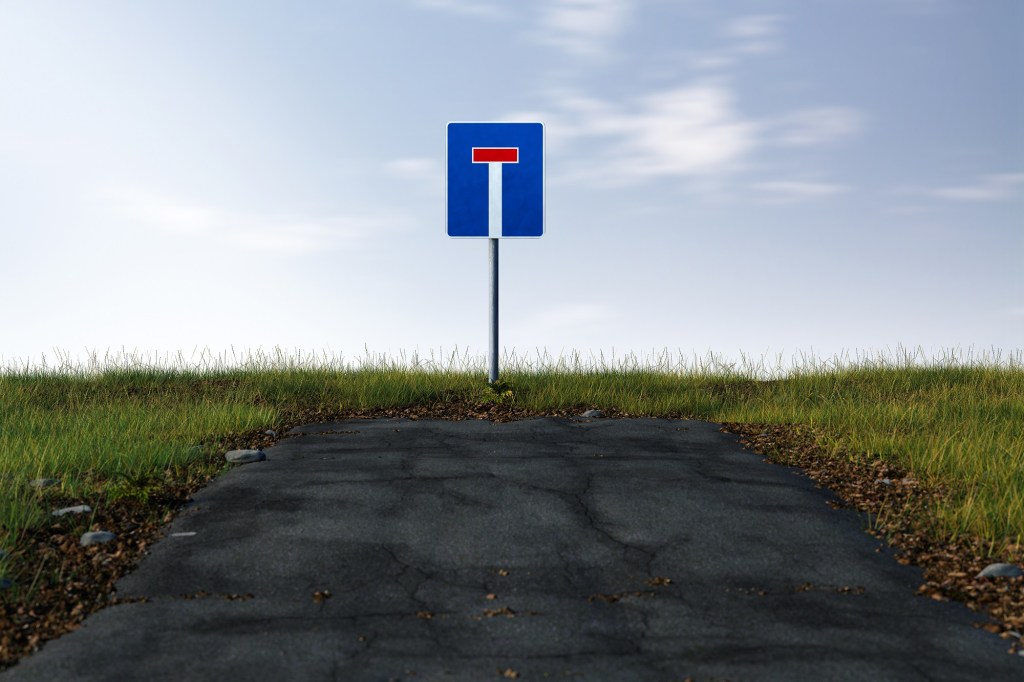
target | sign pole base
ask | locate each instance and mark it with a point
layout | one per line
(493, 375)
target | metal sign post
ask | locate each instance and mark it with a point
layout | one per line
(491, 203)
(492, 376)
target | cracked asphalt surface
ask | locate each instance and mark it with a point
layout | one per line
(541, 549)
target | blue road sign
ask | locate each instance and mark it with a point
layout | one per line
(495, 180)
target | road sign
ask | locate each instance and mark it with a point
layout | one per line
(495, 180)
(494, 188)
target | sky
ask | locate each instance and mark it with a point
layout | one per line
(781, 180)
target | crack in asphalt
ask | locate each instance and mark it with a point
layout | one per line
(580, 512)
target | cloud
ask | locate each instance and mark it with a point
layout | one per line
(682, 131)
(920, 7)
(991, 188)
(754, 33)
(572, 116)
(908, 210)
(475, 8)
(582, 27)
(417, 168)
(711, 61)
(757, 47)
(425, 174)
(753, 26)
(693, 132)
(816, 126)
(789, 191)
(235, 230)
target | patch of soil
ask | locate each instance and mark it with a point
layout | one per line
(69, 581)
(899, 512)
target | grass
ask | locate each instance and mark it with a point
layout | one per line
(116, 430)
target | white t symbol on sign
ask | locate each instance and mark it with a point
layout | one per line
(494, 157)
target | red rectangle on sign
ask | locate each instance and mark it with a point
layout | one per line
(495, 154)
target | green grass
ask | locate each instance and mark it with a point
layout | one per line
(98, 429)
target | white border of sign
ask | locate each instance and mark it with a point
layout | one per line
(543, 179)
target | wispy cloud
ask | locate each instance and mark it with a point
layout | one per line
(920, 7)
(990, 188)
(425, 173)
(683, 131)
(816, 126)
(413, 167)
(477, 8)
(583, 27)
(753, 26)
(746, 35)
(711, 60)
(755, 33)
(694, 132)
(791, 191)
(908, 209)
(219, 227)
(757, 47)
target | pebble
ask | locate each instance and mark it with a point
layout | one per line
(78, 509)
(96, 537)
(43, 482)
(245, 456)
(92, 538)
(591, 413)
(1000, 571)
(102, 536)
(270, 432)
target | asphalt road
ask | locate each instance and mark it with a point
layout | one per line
(541, 549)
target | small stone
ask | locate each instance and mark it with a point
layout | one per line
(245, 456)
(78, 509)
(1000, 571)
(43, 482)
(270, 432)
(887, 481)
(591, 413)
(97, 537)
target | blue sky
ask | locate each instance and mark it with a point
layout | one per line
(775, 179)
